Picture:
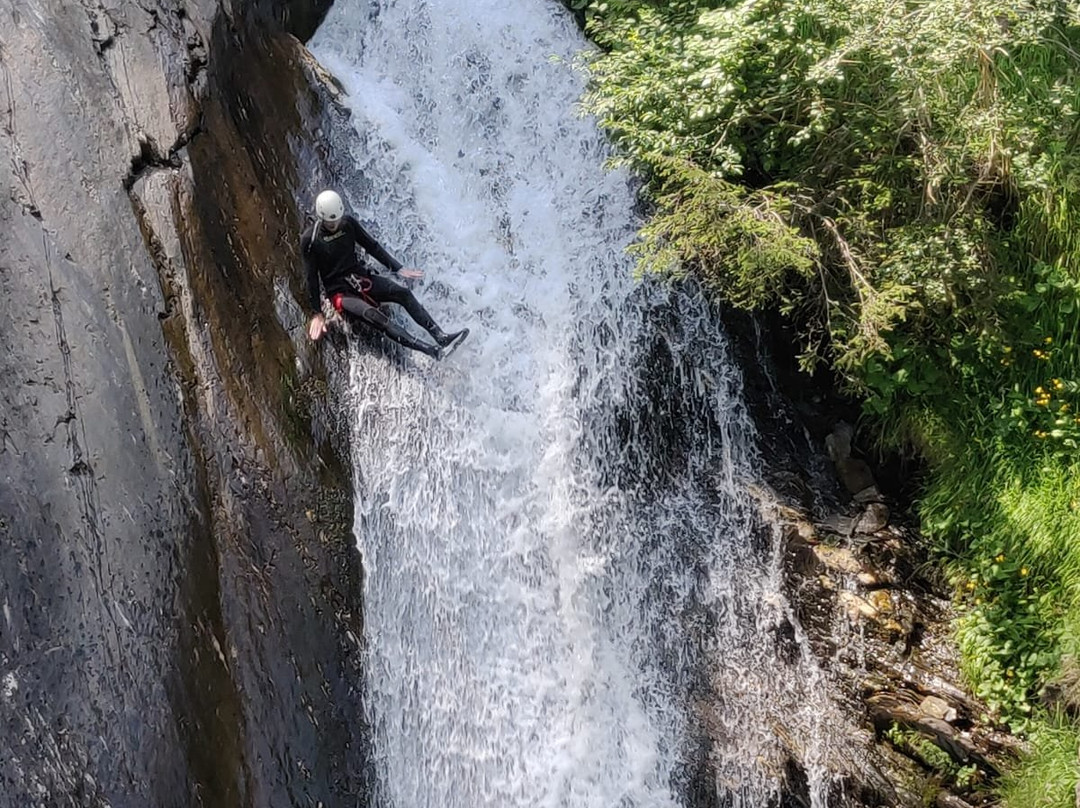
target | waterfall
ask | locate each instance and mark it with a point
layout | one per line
(563, 566)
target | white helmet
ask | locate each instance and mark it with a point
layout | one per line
(329, 207)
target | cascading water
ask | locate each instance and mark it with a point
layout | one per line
(562, 565)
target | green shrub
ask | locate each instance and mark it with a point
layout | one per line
(924, 150)
(903, 181)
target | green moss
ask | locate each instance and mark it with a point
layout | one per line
(947, 772)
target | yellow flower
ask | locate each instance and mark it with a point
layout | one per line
(970, 585)
(1063, 408)
(1023, 572)
(1048, 340)
(1007, 349)
(1057, 384)
(1039, 390)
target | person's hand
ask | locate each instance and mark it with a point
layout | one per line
(410, 274)
(317, 327)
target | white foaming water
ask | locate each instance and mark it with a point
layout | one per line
(553, 529)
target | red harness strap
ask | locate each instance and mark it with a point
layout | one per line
(365, 287)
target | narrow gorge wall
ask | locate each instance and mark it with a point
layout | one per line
(177, 581)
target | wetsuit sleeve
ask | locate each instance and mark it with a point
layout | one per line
(314, 297)
(373, 248)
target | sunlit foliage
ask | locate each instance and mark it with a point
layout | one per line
(901, 178)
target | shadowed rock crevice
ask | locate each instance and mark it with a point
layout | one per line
(232, 206)
(104, 29)
(151, 157)
(22, 194)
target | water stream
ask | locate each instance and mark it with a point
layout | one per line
(570, 599)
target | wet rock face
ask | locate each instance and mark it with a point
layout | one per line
(879, 627)
(867, 605)
(178, 588)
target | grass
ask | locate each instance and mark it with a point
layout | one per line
(1047, 776)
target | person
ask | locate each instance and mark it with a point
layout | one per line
(330, 256)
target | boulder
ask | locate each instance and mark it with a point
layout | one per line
(838, 559)
(873, 519)
(936, 707)
(857, 478)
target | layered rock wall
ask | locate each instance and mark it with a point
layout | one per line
(177, 580)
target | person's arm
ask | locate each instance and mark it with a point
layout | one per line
(317, 326)
(373, 248)
(314, 292)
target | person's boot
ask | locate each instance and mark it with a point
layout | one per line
(434, 351)
(442, 337)
(403, 337)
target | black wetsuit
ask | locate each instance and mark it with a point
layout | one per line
(353, 288)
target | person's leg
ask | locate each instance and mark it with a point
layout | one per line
(369, 314)
(385, 290)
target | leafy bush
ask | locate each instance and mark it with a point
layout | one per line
(922, 148)
(903, 181)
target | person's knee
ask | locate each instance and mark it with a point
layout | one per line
(400, 295)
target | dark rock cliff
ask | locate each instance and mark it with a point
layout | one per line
(178, 584)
